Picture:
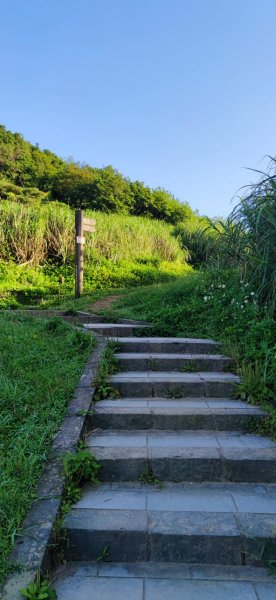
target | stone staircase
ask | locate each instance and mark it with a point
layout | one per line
(187, 500)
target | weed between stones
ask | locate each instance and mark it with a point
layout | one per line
(149, 478)
(108, 366)
(39, 589)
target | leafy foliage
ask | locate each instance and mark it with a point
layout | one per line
(79, 467)
(39, 590)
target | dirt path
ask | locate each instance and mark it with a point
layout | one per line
(104, 303)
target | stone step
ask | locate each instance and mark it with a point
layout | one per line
(160, 581)
(174, 384)
(168, 344)
(114, 330)
(122, 414)
(227, 525)
(157, 361)
(184, 455)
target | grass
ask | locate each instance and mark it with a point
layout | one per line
(41, 362)
(37, 254)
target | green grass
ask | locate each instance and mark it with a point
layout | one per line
(41, 362)
(37, 254)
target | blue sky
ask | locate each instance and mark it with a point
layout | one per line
(177, 93)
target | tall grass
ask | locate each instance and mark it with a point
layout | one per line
(37, 234)
(256, 216)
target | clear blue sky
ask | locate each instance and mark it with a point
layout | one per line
(177, 93)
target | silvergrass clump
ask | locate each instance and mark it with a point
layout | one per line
(37, 234)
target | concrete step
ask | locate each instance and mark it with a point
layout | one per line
(184, 455)
(174, 384)
(158, 361)
(226, 525)
(160, 581)
(114, 330)
(122, 414)
(168, 345)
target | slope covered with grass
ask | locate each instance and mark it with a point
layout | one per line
(40, 365)
(37, 253)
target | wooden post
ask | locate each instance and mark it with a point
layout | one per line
(79, 253)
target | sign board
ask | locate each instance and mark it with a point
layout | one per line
(80, 239)
(89, 228)
(89, 225)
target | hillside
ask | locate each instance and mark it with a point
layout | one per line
(37, 253)
(28, 174)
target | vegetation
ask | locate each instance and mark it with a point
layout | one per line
(218, 304)
(30, 174)
(232, 297)
(79, 467)
(37, 253)
(108, 366)
(41, 361)
(39, 590)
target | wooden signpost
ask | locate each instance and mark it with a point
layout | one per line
(81, 225)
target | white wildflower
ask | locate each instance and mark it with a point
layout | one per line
(223, 286)
(205, 298)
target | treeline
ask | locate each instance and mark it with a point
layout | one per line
(31, 175)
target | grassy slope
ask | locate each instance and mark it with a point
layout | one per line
(40, 362)
(37, 254)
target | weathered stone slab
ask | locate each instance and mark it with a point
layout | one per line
(102, 588)
(193, 590)
(123, 532)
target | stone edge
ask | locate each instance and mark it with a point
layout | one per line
(32, 552)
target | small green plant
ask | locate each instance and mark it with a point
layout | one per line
(253, 385)
(108, 366)
(174, 392)
(104, 555)
(78, 467)
(268, 556)
(105, 391)
(189, 367)
(154, 365)
(149, 478)
(39, 590)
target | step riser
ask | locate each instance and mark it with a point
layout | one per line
(211, 389)
(133, 546)
(170, 347)
(171, 422)
(113, 332)
(189, 469)
(144, 364)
